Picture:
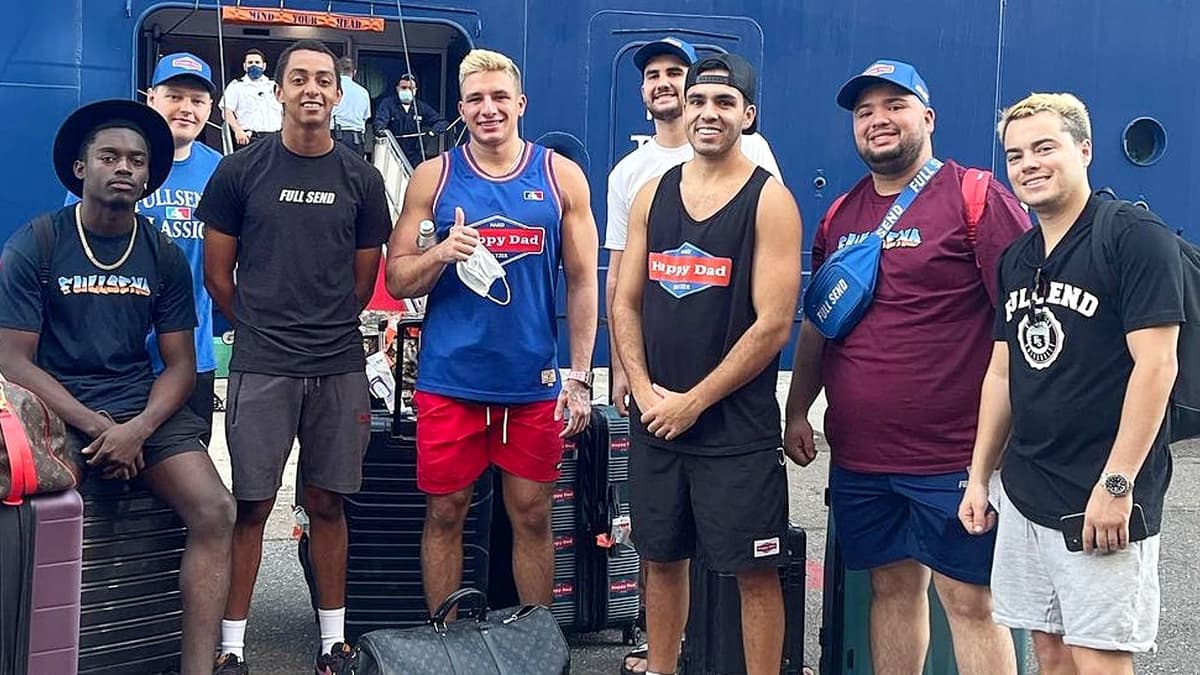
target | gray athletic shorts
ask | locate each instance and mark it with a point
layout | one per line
(1098, 601)
(331, 415)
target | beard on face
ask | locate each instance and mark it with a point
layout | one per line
(665, 114)
(895, 160)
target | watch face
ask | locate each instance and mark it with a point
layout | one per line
(1116, 484)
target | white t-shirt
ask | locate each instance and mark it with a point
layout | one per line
(651, 160)
(254, 103)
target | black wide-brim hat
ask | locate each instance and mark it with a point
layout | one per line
(80, 123)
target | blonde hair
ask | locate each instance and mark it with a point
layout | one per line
(483, 61)
(1068, 107)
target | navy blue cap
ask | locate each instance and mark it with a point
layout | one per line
(898, 73)
(183, 64)
(669, 45)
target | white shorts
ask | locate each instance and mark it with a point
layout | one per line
(1097, 601)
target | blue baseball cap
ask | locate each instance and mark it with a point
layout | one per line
(671, 46)
(898, 73)
(183, 64)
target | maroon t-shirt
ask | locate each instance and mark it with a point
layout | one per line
(903, 386)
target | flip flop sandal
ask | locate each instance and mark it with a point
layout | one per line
(642, 652)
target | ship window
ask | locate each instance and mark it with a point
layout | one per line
(1144, 141)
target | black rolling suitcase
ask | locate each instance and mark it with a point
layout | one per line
(608, 570)
(564, 524)
(132, 614)
(713, 644)
(595, 581)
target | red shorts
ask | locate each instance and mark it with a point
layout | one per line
(457, 441)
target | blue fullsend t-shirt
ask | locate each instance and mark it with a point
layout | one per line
(171, 209)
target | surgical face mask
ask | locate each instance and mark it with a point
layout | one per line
(254, 72)
(480, 271)
(406, 95)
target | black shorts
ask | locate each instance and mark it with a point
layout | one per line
(265, 414)
(202, 399)
(180, 433)
(730, 510)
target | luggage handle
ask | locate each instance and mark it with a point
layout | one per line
(438, 620)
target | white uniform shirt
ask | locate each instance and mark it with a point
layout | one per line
(651, 160)
(254, 103)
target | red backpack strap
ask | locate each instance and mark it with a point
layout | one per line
(837, 203)
(20, 455)
(975, 184)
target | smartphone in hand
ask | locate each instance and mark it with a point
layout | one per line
(1072, 528)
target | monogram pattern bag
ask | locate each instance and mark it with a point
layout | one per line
(34, 455)
(515, 641)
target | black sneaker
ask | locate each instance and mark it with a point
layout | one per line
(335, 661)
(230, 664)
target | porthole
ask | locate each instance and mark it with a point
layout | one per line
(1144, 141)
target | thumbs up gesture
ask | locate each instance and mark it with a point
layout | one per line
(461, 242)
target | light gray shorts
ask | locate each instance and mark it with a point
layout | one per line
(331, 415)
(1094, 600)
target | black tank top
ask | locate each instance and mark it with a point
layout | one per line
(696, 305)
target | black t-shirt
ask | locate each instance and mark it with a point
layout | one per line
(1069, 364)
(94, 323)
(299, 221)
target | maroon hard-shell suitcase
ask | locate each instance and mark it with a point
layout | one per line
(40, 566)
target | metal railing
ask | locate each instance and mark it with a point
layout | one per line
(396, 171)
(395, 168)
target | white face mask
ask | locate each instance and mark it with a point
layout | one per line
(480, 271)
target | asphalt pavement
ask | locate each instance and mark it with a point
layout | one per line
(282, 628)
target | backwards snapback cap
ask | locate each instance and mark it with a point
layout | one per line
(740, 75)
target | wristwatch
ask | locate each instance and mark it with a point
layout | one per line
(583, 377)
(1117, 484)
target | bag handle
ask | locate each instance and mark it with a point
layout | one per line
(907, 196)
(20, 455)
(438, 620)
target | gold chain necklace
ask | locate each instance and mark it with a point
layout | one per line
(517, 160)
(511, 167)
(88, 249)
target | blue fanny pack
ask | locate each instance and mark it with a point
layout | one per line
(841, 291)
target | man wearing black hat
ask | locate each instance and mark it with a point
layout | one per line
(181, 90)
(409, 119)
(663, 65)
(81, 288)
(714, 237)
